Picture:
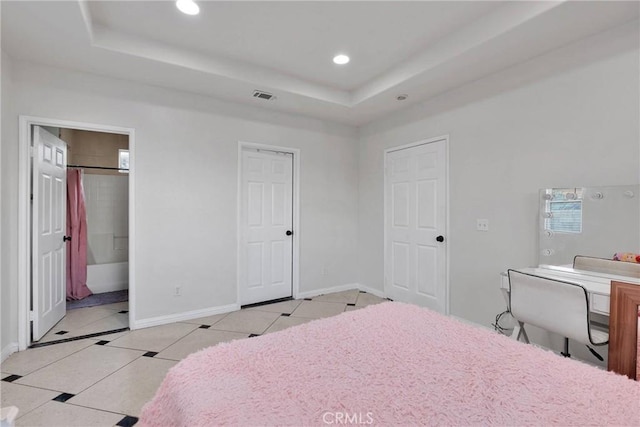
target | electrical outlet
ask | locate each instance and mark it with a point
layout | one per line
(482, 224)
(324, 271)
(178, 291)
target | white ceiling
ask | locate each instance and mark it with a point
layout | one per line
(297, 38)
(419, 48)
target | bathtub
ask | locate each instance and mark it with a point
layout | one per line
(108, 277)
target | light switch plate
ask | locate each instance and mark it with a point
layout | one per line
(482, 224)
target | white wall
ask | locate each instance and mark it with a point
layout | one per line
(8, 215)
(576, 127)
(186, 149)
(568, 118)
(4, 334)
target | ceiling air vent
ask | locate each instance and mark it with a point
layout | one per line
(263, 95)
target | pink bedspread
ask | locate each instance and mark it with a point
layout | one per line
(388, 364)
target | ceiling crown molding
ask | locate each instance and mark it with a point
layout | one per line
(238, 47)
(447, 49)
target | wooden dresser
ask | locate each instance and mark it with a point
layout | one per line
(624, 333)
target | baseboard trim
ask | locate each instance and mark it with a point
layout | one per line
(341, 288)
(188, 315)
(163, 320)
(371, 291)
(8, 350)
(316, 292)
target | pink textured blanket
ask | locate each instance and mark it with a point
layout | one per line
(388, 364)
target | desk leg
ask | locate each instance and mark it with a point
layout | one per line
(505, 295)
(518, 332)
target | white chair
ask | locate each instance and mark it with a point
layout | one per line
(555, 305)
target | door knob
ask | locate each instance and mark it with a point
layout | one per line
(289, 232)
(66, 239)
(440, 238)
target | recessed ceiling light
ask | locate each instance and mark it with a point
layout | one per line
(188, 7)
(341, 59)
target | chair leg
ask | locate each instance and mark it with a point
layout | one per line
(519, 332)
(565, 353)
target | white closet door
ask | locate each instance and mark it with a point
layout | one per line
(266, 221)
(48, 231)
(415, 211)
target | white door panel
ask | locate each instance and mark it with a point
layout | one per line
(266, 216)
(48, 229)
(415, 211)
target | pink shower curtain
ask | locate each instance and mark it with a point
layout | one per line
(77, 229)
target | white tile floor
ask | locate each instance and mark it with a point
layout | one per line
(105, 380)
(89, 320)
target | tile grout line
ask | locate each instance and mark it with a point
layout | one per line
(43, 403)
(64, 403)
(258, 307)
(271, 324)
(78, 338)
(189, 333)
(90, 323)
(104, 378)
(49, 364)
(195, 329)
(189, 323)
(108, 375)
(103, 318)
(249, 309)
(231, 332)
(330, 302)
(310, 318)
(157, 356)
(39, 388)
(28, 412)
(113, 373)
(96, 409)
(174, 342)
(88, 387)
(164, 348)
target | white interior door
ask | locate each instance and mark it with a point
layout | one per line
(266, 226)
(415, 224)
(48, 230)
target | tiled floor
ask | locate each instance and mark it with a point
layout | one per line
(89, 320)
(105, 381)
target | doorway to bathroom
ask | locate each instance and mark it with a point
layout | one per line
(98, 175)
(78, 270)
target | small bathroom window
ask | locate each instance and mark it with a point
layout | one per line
(123, 160)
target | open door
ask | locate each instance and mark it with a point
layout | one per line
(49, 217)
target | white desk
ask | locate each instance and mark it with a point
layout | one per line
(598, 285)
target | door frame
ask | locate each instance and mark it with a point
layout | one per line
(24, 213)
(295, 259)
(444, 138)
